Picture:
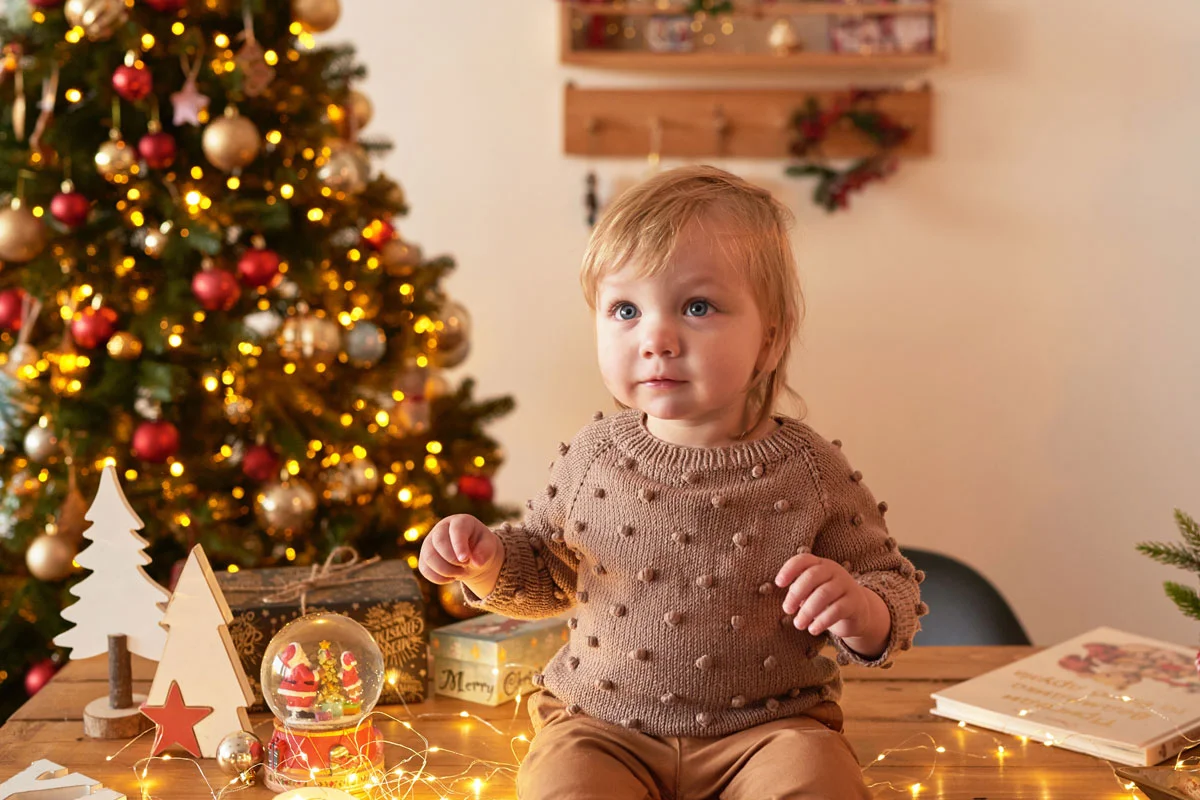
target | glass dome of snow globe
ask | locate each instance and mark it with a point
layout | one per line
(322, 671)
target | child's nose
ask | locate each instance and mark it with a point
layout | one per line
(661, 340)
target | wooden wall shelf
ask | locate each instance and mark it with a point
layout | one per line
(748, 52)
(733, 123)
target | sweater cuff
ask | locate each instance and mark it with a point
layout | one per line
(518, 570)
(903, 600)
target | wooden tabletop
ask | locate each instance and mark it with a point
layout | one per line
(886, 710)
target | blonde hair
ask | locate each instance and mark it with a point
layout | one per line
(644, 225)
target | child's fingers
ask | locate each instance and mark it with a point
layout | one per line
(817, 602)
(462, 537)
(437, 568)
(809, 581)
(834, 613)
(795, 565)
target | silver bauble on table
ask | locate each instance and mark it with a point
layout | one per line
(238, 753)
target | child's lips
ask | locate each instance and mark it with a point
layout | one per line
(662, 383)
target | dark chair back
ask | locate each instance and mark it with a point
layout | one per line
(964, 607)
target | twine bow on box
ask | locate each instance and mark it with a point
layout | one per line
(323, 576)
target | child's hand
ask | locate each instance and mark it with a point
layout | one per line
(825, 595)
(460, 548)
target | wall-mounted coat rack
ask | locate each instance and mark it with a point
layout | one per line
(734, 123)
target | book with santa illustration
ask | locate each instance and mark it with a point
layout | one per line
(1107, 693)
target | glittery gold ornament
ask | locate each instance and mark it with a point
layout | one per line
(22, 361)
(313, 339)
(231, 141)
(115, 159)
(453, 335)
(346, 170)
(98, 18)
(41, 442)
(450, 595)
(316, 15)
(124, 346)
(286, 508)
(49, 557)
(400, 257)
(22, 235)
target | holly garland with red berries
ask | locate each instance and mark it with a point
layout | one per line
(204, 283)
(812, 125)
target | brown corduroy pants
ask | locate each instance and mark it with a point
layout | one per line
(580, 758)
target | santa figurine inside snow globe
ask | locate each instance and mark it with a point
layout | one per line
(321, 677)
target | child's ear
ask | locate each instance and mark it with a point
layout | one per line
(768, 354)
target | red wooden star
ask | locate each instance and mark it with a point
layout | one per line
(176, 721)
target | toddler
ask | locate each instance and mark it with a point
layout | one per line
(707, 547)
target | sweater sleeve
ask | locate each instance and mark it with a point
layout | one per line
(538, 576)
(855, 535)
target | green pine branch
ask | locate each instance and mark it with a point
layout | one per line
(1188, 527)
(1173, 555)
(1187, 599)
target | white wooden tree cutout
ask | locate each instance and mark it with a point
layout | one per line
(118, 597)
(45, 780)
(200, 656)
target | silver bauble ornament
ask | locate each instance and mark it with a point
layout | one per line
(49, 557)
(238, 753)
(313, 339)
(41, 443)
(98, 18)
(231, 141)
(22, 235)
(346, 170)
(365, 344)
(286, 508)
(115, 159)
(453, 335)
(263, 324)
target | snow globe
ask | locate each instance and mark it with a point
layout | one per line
(321, 677)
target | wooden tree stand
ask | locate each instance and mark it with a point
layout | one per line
(119, 715)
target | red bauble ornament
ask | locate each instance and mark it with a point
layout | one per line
(39, 675)
(46, 3)
(477, 487)
(260, 463)
(259, 267)
(12, 309)
(158, 149)
(155, 441)
(216, 289)
(166, 6)
(70, 208)
(132, 82)
(379, 233)
(93, 327)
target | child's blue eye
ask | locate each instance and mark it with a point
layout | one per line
(699, 308)
(624, 311)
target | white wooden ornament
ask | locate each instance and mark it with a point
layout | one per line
(118, 597)
(45, 780)
(200, 656)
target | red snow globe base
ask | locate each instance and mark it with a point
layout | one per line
(321, 677)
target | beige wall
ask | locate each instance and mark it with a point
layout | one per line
(1004, 335)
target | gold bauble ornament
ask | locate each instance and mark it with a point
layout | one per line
(347, 168)
(400, 257)
(316, 15)
(313, 339)
(22, 235)
(351, 480)
(22, 361)
(359, 109)
(98, 18)
(124, 346)
(49, 557)
(453, 335)
(115, 159)
(41, 443)
(231, 141)
(239, 753)
(155, 239)
(450, 595)
(286, 508)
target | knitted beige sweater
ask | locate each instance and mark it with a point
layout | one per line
(668, 555)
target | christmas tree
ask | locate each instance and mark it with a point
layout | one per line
(1186, 556)
(203, 285)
